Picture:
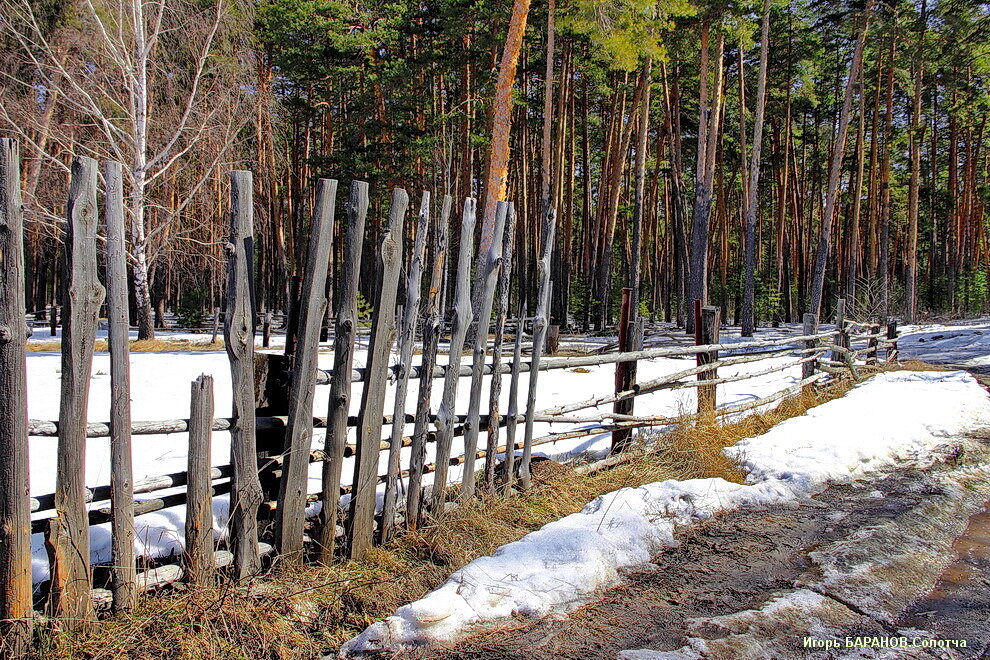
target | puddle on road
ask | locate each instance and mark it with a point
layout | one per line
(959, 605)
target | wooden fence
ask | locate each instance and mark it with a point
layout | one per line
(271, 437)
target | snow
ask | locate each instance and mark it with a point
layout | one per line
(963, 345)
(888, 418)
(160, 390)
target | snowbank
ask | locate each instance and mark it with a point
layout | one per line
(890, 417)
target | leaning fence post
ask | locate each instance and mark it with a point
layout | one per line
(484, 293)
(290, 516)
(460, 320)
(124, 570)
(406, 338)
(238, 335)
(345, 329)
(810, 328)
(199, 493)
(432, 329)
(709, 334)
(369, 432)
(495, 391)
(71, 577)
(15, 508)
(512, 410)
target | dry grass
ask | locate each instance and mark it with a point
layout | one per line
(142, 346)
(295, 612)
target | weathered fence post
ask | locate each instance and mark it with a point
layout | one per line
(124, 570)
(892, 338)
(369, 437)
(432, 330)
(460, 320)
(512, 410)
(495, 392)
(83, 295)
(406, 339)
(707, 329)
(810, 328)
(290, 516)
(620, 438)
(15, 498)
(199, 492)
(842, 338)
(539, 335)
(345, 329)
(871, 343)
(238, 335)
(481, 310)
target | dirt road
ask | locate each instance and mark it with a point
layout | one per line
(876, 560)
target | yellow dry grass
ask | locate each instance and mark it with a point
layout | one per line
(142, 346)
(304, 612)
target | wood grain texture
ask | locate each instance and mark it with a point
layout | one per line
(83, 295)
(15, 513)
(238, 334)
(369, 433)
(345, 329)
(199, 559)
(290, 516)
(123, 574)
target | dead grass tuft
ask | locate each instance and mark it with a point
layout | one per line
(303, 612)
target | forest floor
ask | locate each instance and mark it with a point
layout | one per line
(891, 558)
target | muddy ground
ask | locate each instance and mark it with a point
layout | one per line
(907, 555)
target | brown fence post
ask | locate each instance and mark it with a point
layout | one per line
(345, 329)
(124, 570)
(369, 432)
(707, 326)
(238, 335)
(484, 294)
(620, 438)
(71, 576)
(199, 492)
(15, 508)
(407, 336)
(266, 330)
(290, 516)
(432, 330)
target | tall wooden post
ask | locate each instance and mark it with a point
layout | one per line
(83, 295)
(707, 326)
(432, 329)
(199, 493)
(15, 497)
(495, 392)
(406, 339)
(620, 438)
(842, 338)
(124, 572)
(369, 439)
(540, 322)
(238, 335)
(345, 330)
(484, 294)
(892, 337)
(290, 516)
(871, 344)
(460, 320)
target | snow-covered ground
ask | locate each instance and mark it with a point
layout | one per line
(960, 344)
(160, 390)
(888, 419)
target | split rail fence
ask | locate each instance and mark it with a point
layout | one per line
(272, 423)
